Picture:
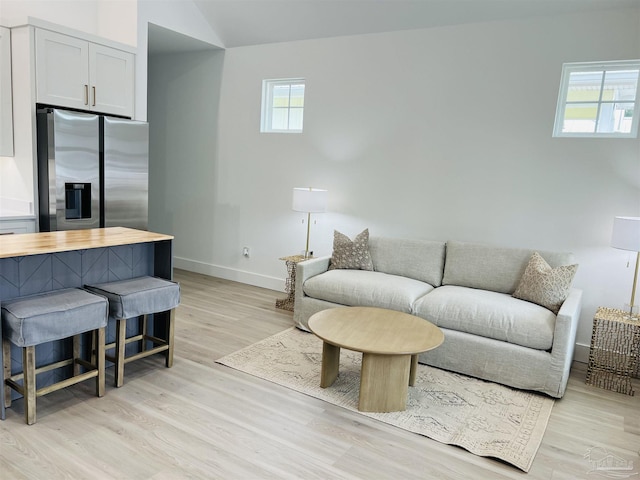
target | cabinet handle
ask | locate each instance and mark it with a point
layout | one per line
(86, 94)
(94, 95)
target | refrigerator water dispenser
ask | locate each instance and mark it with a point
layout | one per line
(77, 200)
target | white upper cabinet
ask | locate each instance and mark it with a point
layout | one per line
(6, 104)
(112, 80)
(62, 70)
(75, 73)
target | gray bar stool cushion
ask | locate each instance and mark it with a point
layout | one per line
(138, 296)
(44, 317)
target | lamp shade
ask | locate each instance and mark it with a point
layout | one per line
(626, 233)
(310, 200)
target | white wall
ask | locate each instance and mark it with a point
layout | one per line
(182, 17)
(112, 19)
(442, 133)
(183, 126)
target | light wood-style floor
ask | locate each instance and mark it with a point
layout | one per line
(203, 420)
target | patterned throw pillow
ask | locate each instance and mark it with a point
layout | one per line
(349, 254)
(546, 286)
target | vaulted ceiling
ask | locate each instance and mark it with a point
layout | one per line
(251, 22)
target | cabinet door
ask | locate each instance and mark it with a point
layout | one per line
(62, 74)
(6, 109)
(111, 72)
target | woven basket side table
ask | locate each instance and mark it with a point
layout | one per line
(613, 356)
(290, 283)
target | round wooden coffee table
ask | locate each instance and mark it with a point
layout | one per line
(390, 342)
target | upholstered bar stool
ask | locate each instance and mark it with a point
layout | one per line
(36, 319)
(138, 298)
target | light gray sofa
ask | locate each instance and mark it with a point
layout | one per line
(465, 289)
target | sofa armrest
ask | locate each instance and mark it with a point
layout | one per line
(304, 306)
(567, 318)
(307, 269)
(564, 336)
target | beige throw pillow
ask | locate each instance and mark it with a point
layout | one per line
(543, 285)
(348, 254)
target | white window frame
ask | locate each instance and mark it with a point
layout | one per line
(267, 104)
(567, 70)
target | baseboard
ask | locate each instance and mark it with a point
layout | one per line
(581, 353)
(264, 281)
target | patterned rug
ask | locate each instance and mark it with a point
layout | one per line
(484, 418)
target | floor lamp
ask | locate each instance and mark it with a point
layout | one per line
(309, 200)
(626, 236)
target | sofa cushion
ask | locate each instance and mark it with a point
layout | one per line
(418, 259)
(491, 268)
(366, 289)
(351, 254)
(488, 314)
(546, 286)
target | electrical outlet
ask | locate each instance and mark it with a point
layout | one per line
(246, 252)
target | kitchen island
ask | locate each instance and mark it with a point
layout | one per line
(40, 262)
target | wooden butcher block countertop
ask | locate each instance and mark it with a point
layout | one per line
(52, 242)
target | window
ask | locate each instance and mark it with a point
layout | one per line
(598, 100)
(282, 105)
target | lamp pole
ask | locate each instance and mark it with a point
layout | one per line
(306, 250)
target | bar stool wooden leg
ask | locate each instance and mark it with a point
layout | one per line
(29, 384)
(76, 354)
(143, 331)
(94, 348)
(100, 361)
(6, 360)
(121, 330)
(170, 330)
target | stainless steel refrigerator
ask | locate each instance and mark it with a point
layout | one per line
(93, 171)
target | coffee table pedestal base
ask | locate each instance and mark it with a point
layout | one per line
(384, 382)
(330, 364)
(384, 379)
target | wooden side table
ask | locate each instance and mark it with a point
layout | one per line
(615, 345)
(290, 283)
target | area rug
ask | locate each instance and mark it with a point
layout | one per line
(484, 418)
